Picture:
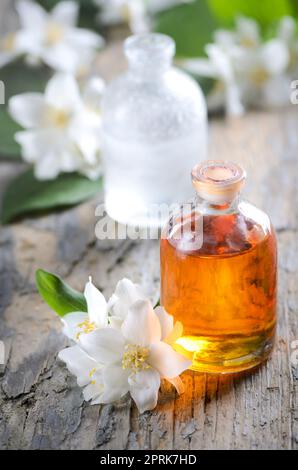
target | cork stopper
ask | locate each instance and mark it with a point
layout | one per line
(217, 181)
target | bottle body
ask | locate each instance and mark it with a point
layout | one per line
(154, 118)
(223, 290)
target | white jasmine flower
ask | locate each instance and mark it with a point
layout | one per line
(11, 48)
(52, 38)
(78, 323)
(247, 71)
(134, 357)
(136, 13)
(63, 127)
(87, 371)
(100, 312)
(263, 73)
(219, 66)
(246, 34)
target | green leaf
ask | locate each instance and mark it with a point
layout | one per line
(265, 11)
(59, 295)
(191, 26)
(9, 149)
(21, 78)
(25, 194)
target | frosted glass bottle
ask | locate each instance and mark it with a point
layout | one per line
(154, 131)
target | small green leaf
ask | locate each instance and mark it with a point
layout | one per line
(59, 295)
(265, 11)
(191, 26)
(25, 194)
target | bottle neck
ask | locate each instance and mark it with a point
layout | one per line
(148, 71)
(208, 208)
(149, 55)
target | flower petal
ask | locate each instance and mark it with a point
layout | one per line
(78, 363)
(32, 143)
(63, 92)
(166, 321)
(176, 333)
(93, 392)
(62, 57)
(287, 28)
(48, 167)
(143, 387)
(71, 322)
(178, 384)
(234, 105)
(141, 326)
(275, 56)
(31, 14)
(115, 379)
(126, 293)
(105, 345)
(221, 61)
(84, 39)
(116, 322)
(66, 13)
(93, 93)
(42, 148)
(248, 30)
(201, 67)
(27, 109)
(166, 361)
(97, 305)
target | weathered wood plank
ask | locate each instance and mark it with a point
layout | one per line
(40, 405)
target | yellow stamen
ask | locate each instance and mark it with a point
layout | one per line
(9, 42)
(54, 34)
(125, 13)
(58, 117)
(135, 357)
(249, 43)
(92, 372)
(86, 326)
(259, 76)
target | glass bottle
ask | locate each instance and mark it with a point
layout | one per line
(218, 273)
(154, 118)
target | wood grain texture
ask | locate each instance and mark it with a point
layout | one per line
(41, 406)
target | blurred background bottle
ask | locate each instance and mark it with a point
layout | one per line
(155, 128)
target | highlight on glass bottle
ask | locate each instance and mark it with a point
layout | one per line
(218, 273)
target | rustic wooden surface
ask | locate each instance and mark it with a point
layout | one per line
(41, 406)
